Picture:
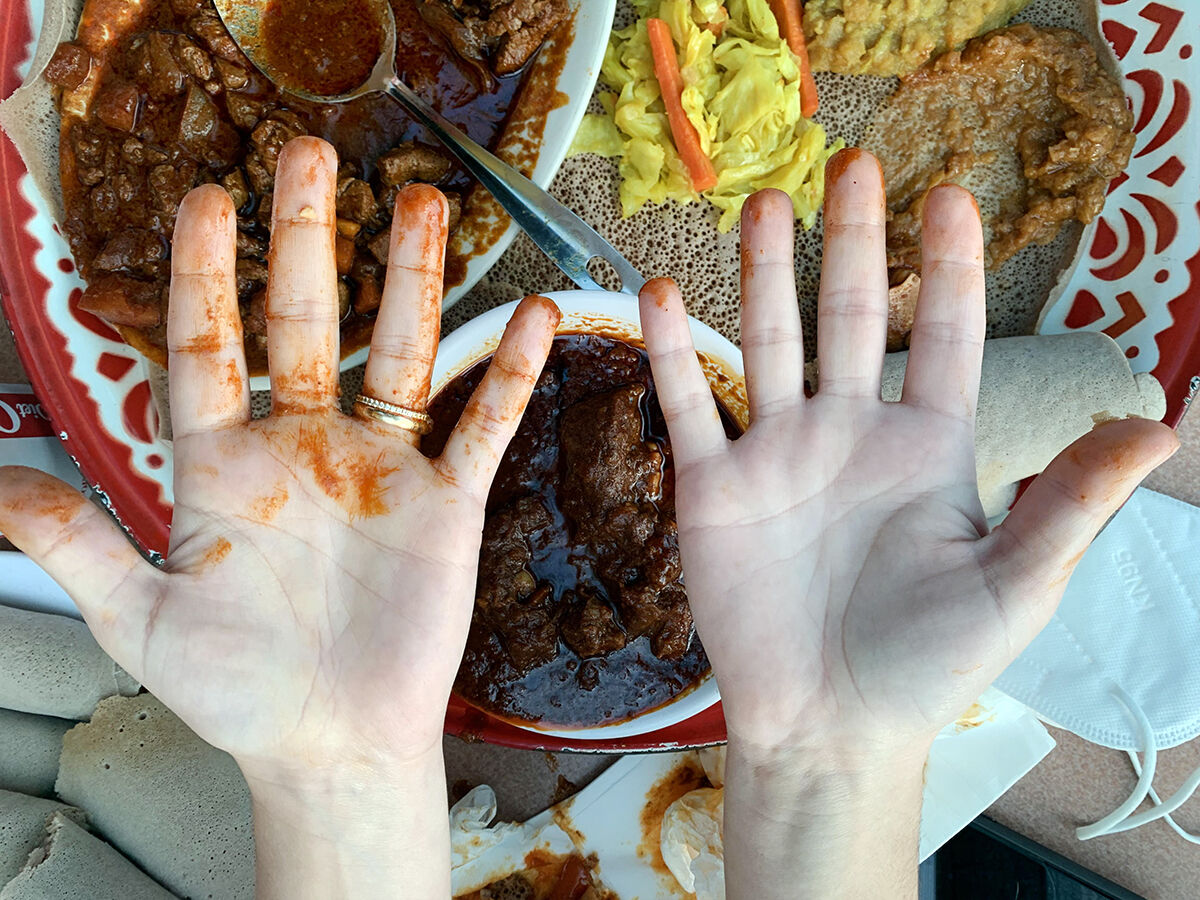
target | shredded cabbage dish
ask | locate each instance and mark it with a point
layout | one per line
(741, 93)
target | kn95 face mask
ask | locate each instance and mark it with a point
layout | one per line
(1119, 663)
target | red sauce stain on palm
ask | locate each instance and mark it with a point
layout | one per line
(356, 481)
(217, 552)
(325, 48)
(264, 509)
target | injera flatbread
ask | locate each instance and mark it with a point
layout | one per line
(29, 748)
(51, 665)
(23, 826)
(175, 805)
(71, 864)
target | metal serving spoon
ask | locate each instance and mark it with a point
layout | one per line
(564, 237)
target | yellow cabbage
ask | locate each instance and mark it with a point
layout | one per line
(742, 94)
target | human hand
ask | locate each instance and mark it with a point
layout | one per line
(313, 608)
(837, 559)
(838, 550)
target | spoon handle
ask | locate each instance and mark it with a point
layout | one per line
(564, 237)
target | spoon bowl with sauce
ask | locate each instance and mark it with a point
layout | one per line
(336, 51)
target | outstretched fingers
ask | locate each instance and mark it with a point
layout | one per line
(302, 300)
(772, 342)
(490, 419)
(83, 550)
(404, 342)
(852, 301)
(1030, 556)
(208, 385)
(946, 352)
(684, 393)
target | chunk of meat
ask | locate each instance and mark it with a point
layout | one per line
(661, 613)
(272, 133)
(202, 129)
(132, 250)
(591, 630)
(522, 26)
(170, 184)
(467, 36)
(356, 201)
(122, 300)
(193, 60)
(233, 77)
(612, 474)
(244, 111)
(117, 106)
(512, 602)
(412, 162)
(234, 181)
(156, 68)
(69, 66)
(207, 25)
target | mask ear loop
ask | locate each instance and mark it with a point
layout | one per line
(1145, 778)
(1163, 810)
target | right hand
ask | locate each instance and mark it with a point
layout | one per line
(836, 556)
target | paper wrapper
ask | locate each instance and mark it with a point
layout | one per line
(52, 666)
(22, 826)
(971, 764)
(71, 863)
(29, 749)
(163, 797)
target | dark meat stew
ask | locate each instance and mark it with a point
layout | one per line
(172, 103)
(580, 614)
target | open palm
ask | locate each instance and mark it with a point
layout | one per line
(318, 590)
(838, 550)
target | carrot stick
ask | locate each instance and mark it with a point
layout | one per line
(791, 27)
(670, 84)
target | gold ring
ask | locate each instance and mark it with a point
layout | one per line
(392, 414)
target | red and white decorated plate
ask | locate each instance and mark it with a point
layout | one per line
(1137, 280)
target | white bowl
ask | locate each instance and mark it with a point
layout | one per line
(614, 315)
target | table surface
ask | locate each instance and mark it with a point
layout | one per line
(1076, 784)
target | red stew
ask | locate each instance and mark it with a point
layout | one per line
(326, 48)
(580, 615)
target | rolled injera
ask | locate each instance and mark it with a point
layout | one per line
(23, 827)
(29, 748)
(175, 805)
(70, 864)
(52, 666)
(1038, 394)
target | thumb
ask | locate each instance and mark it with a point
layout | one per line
(1032, 554)
(84, 550)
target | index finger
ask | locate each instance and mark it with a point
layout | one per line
(208, 385)
(490, 419)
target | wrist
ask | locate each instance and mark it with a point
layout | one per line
(800, 820)
(353, 829)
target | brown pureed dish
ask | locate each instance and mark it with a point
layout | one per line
(1025, 117)
(580, 618)
(156, 98)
